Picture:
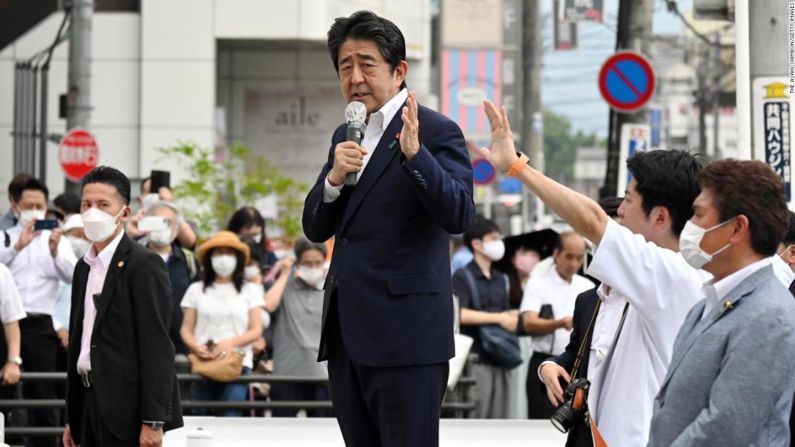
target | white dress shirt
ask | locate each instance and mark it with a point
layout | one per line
(782, 270)
(376, 126)
(554, 290)
(98, 269)
(715, 292)
(11, 309)
(660, 288)
(36, 273)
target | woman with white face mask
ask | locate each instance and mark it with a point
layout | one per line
(297, 297)
(221, 314)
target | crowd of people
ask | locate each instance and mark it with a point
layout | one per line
(228, 293)
(681, 335)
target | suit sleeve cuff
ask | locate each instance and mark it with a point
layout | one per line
(331, 192)
(541, 366)
(417, 166)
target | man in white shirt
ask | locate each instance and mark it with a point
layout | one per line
(651, 287)
(11, 312)
(556, 292)
(731, 380)
(784, 259)
(39, 260)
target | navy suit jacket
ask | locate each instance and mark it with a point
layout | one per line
(580, 434)
(390, 270)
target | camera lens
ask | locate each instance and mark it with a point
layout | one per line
(563, 419)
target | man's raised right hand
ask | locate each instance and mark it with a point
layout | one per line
(348, 157)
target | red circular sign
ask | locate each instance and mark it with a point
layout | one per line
(78, 154)
(626, 81)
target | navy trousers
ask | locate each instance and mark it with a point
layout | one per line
(383, 406)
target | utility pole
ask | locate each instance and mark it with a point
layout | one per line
(78, 111)
(532, 118)
(634, 31)
(702, 103)
(716, 90)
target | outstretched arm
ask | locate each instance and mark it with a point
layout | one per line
(584, 215)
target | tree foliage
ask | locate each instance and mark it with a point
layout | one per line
(220, 183)
(560, 146)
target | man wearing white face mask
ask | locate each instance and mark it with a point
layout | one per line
(297, 299)
(122, 388)
(784, 259)
(38, 260)
(494, 389)
(147, 198)
(162, 218)
(731, 381)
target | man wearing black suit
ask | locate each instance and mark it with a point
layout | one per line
(584, 311)
(122, 388)
(388, 311)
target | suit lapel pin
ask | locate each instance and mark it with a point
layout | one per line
(728, 305)
(120, 264)
(395, 141)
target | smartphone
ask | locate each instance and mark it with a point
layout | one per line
(153, 223)
(159, 179)
(46, 224)
(546, 312)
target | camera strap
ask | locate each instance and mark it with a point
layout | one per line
(585, 341)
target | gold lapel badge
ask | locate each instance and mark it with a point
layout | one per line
(728, 305)
(120, 264)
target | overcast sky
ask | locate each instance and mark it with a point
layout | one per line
(569, 83)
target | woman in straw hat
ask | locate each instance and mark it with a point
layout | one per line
(222, 314)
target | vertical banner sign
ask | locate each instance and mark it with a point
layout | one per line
(634, 138)
(472, 62)
(469, 77)
(773, 124)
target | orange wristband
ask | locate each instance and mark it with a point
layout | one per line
(518, 165)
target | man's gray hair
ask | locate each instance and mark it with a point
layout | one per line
(162, 204)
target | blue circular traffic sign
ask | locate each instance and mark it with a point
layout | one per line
(626, 81)
(483, 173)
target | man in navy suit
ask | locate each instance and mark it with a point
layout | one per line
(388, 314)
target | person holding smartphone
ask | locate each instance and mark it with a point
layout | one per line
(38, 259)
(157, 188)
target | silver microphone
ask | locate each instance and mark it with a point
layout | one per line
(355, 115)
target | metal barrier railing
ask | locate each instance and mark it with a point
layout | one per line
(464, 408)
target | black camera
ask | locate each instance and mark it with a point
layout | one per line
(574, 405)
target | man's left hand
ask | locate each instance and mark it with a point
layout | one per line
(409, 136)
(150, 437)
(10, 374)
(55, 238)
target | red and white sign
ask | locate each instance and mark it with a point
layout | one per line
(78, 154)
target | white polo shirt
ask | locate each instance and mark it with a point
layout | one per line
(552, 289)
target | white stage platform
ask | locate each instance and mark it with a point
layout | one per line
(292, 432)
